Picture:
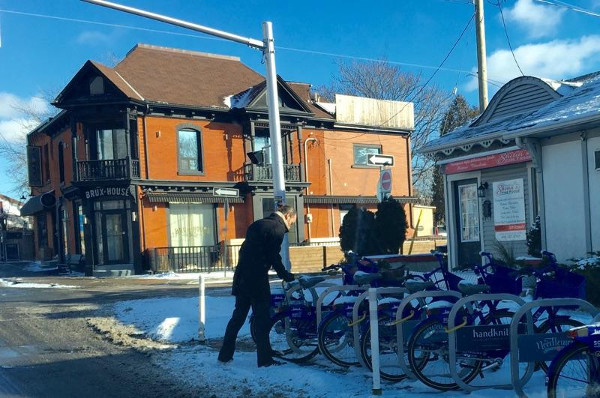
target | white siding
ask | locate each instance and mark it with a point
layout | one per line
(594, 182)
(563, 195)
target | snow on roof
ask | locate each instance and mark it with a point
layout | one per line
(326, 106)
(580, 99)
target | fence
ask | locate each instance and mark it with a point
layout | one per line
(305, 258)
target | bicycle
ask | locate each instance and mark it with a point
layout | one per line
(575, 371)
(428, 345)
(292, 332)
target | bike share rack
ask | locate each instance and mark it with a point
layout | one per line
(452, 328)
(400, 321)
(519, 382)
(336, 288)
(315, 298)
(356, 322)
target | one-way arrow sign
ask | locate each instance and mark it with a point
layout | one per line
(226, 192)
(380, 160)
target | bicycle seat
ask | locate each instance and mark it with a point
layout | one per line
(469, 288)
(417, 286)
(309, 281)
(363, 278)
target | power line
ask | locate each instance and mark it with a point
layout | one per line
(499, 5)
(569, 6)
(324, 53)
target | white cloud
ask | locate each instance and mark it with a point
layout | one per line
(12, 106)
(537, 19)
(15, 130)
(16, 115)
(557, 59)
(95, 38)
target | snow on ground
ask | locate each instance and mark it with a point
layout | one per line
(184, 276)
(176, 320)
(16, 283)
(37, 267)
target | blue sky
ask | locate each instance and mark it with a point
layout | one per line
(44, 43)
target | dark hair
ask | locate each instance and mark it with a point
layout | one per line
(285, 209)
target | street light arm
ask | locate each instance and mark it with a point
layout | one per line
(178, 22)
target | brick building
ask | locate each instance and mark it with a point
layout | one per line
(132, 163)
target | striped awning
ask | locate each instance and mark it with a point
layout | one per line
(333, 199)
(190, 197)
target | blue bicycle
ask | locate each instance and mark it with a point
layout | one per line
(575, 371)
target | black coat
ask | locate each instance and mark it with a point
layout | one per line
(260, 252)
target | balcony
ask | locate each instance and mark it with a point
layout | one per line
(101, 170)
(254, 172)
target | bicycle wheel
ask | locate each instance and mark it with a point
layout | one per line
(574, 373)
(428, 357)
(389, 366)
(558, 325)
(292, 339)
(336, 340)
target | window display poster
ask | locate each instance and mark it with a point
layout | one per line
(509, 210)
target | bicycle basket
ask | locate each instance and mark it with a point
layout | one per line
(564, 284)
(502, 281)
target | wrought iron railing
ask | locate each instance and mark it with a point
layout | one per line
(114, 169)
(193, 258)
(254, 172)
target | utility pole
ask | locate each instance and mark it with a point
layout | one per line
(267, 47)
(481, 57)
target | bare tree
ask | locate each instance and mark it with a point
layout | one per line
(14, 150)
(381, 80)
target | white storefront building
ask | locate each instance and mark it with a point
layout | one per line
(535, 151)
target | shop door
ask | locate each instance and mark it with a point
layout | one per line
(467, 222)
(116, 241)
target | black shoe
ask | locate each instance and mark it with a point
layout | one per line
(272, 363)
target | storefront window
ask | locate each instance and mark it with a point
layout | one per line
(469, 213)
(192, 224)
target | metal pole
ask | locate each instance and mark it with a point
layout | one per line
(201, 311)
(481, 57)
(178, 22)
(374, 324)
(275, 130)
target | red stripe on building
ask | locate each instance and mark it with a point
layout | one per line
(509, 227)
(486, 162)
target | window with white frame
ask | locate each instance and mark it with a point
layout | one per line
(469, 213)
(362, 153)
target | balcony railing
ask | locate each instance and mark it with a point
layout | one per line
(254, 172)
(117, 169)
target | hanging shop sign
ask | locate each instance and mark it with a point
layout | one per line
(489, 161)
(99, 192)
(509, 210)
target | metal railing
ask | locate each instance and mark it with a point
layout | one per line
(254, 172)
(193, 258)
(113, 169)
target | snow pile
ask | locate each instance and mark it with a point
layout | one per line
(18, 284)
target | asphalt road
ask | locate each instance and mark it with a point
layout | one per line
(48, 348)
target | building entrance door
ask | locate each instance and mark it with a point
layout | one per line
(466, 212)
(112, 237)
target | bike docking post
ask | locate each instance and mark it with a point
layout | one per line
(404, 324)
(201, 310)
(356, 321)
(500, 341)
(374, 324)
(326, 292)
(551, 342)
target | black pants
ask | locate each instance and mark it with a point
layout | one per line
(260, 309)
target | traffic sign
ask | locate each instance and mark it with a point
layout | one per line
(226, 192)
(385, 180)
(380, 160)
(384, 187)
